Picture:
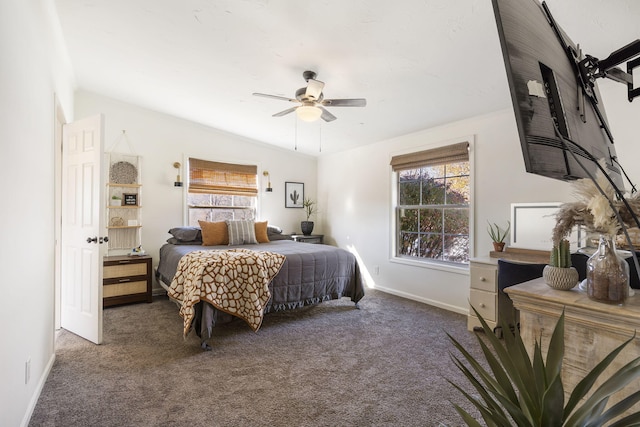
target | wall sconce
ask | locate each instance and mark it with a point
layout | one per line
(178, 182)
(268, 189)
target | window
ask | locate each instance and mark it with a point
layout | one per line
(220, 191)
(432, 206)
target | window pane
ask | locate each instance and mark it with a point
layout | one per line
(458, 169)
(458, 190)
(456, 249)
(408, 244)
(434, 171)
(194, 199)
(409, 191)
(430, 220)
(409, 220)
(456, 221)
(431, 246)
(433, 191)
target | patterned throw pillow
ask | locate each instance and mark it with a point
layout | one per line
(242, 232)
(261, 232)
(214, 233)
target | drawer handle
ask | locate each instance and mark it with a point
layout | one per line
(124, 280)
(482, 279)
(124, 262)
(482, 305)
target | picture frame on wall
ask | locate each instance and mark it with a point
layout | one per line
(294, 194)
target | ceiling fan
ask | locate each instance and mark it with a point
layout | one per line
(312, 102)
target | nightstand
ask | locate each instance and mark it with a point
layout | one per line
(312, 238)
(126, 279)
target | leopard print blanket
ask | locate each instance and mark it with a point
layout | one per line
(235, 281)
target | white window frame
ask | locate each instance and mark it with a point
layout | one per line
(393, 182)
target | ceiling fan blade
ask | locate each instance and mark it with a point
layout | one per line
(327, 116)
(282, 98)
(285, 112)
(314, 89)
(355, 102)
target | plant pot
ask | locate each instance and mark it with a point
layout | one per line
(116, 202)
(498, 246)
(560, 278)
(307, 227)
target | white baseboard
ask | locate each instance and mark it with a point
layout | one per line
(36, 395)
(428, 301)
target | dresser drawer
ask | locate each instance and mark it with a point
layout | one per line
(124, 270)
(126, 288)
(484, 278)
(485, 303)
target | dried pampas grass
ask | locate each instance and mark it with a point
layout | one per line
(593, 210)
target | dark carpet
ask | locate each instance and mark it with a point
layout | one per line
(386, 364)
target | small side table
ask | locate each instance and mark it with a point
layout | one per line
(312, 238)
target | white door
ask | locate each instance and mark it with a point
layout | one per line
(82, 228)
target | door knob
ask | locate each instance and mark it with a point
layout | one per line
(104, 239)
(94, 240)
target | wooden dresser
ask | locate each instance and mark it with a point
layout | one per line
(592, 329)
(126, 279)
(483, 293)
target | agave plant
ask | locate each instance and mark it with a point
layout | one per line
(524, 392)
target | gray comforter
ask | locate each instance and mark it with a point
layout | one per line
(311, 274)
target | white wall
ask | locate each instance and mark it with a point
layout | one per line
(162, 140)
(355, 189)
(33, 69)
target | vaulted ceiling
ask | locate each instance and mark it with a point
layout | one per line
(419, 63)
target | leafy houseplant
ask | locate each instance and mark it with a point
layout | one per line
(524, 392)
(310, 209)
(116, 200)
(559, 273)
(498, 235)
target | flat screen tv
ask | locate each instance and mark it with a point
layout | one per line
(556, 113)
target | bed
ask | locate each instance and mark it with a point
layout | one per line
(309, 274)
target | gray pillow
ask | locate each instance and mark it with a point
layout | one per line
(242, 232)
(187, 234)
(273, 229)
(174, 241)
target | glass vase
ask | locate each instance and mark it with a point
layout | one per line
(607, 274)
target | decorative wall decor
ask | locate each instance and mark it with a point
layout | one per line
(130, 199)
(294, 194)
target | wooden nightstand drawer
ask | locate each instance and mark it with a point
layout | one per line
(124, 288)
(126, 280)
(124, 270)
(485, 303)
(484, 277)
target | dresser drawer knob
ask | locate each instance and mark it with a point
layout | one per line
(482, 305)
(124, 280)
(482, 279)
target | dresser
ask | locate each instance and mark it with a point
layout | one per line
(483, 293)
(126, 279)
(592, 329)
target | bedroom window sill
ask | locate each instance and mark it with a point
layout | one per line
(434, 265)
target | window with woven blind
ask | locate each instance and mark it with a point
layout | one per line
(432, 205)
(219, 191)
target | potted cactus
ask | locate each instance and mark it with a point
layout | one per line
(559, 273)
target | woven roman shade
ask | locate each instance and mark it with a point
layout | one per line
(437, 156)
(222, 178)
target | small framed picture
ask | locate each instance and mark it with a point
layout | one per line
(130, 199)
(294, 194)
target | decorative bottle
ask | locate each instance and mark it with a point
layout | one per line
(607, 274)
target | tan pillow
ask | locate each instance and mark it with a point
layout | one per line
(261, 232)
(214, 233)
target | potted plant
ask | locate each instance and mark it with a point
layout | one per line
(520, 391)
(559, 273)
(310, 209)
(498, 235)
(116, 200)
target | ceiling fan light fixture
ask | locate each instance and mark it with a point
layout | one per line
(308, 113)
